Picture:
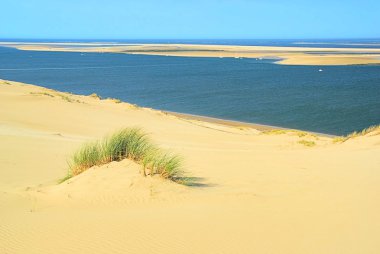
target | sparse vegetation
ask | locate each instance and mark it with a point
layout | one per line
(62, 96)
(66, 98)
(127, 143)
(296, 132)
(302, 134)
(133, 106)
(114, 100)
(94, 95)
(355, 134)
(42, 93)
(274, 132)
(158, 162)
(307, 143)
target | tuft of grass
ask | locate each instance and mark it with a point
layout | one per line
(131, 143)
(63, 179)
(114, 100)
(274, 132)
(301, 134)
(280, 132)
(42, 93)
(90, 154)
(67, 98)
(355, 134)
(94, 95)
(134, 106)
(164, 164)
(62, 96)
(307, 143)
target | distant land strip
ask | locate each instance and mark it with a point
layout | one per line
(280, 55)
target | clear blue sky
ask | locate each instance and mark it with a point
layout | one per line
(184, 19)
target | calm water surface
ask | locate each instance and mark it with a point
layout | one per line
(336, 100)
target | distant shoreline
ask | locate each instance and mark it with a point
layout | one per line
(285, 55)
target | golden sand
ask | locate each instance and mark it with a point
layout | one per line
(253, 193)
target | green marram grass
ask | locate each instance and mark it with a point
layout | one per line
(164, 164)
(355, 134)
(128, 143)
(307, 143)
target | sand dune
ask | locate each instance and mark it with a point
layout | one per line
(284, 55)
(253, 192)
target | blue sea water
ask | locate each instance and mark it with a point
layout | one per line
(337, 100)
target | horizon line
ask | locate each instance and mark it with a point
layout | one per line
(325, 38)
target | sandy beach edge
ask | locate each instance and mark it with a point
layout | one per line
(240, 124)
(200, 118)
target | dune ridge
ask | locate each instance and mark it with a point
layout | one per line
(255, 191)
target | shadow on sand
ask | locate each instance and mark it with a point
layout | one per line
(198, 182)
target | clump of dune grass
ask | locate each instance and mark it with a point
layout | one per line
(274, 132)
(94, 95)
(68, 98)
(42, 93)
(90, 154)
(355, 134)
(133, 106)
(65, 98)
(62, 96)
(166, 165)
(307, 143)
(114, 100)
(128, 143)
(281, 131)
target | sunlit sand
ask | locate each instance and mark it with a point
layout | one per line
(252, 191)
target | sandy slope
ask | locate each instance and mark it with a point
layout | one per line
(254, 193)
(285, 55)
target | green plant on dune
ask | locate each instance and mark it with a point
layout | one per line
(355, 134)
(307, 143)
(67, 98)
(94, 95)
(287, 131)
(114, 100)
(166, 165)
(128, 143)
(42, 93)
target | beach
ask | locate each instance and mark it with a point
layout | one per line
(254, 190)
(282, 55)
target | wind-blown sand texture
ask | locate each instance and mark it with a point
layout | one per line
(284, 55)
(252, 192)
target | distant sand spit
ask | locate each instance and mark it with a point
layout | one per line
(283, 55)
(253, 192)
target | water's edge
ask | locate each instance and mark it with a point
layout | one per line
(232, 123)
